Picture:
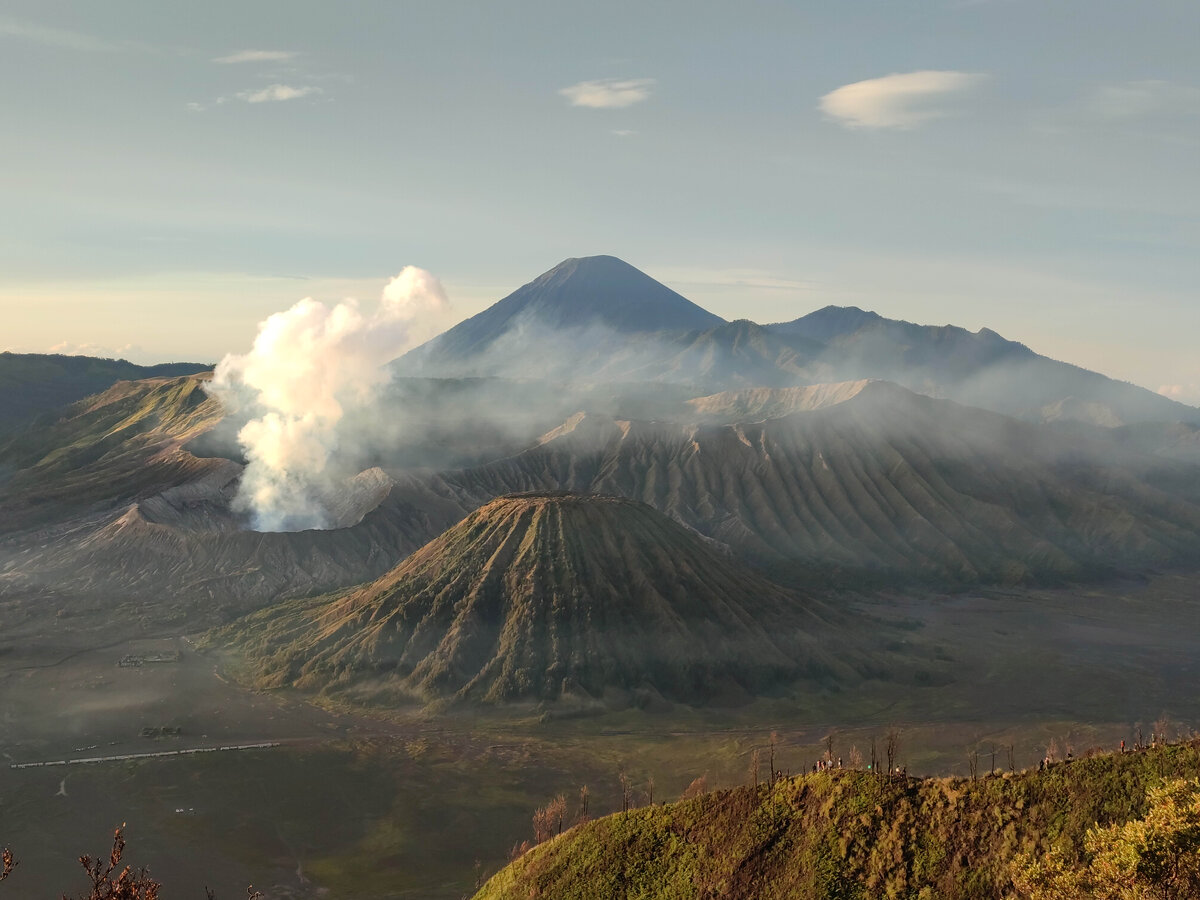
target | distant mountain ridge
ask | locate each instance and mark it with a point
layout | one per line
(598, 319)
(33, 383)
(979, 368)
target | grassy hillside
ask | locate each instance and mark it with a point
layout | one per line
(120, 445)
(33, 383)
(846, 834)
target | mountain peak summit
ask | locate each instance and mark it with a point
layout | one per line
(581, 292)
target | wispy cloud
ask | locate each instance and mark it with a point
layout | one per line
(609, 93)
(247, 56)
(1184, 393)
(624, 132)
(70, 348)
(900, 100)
(1150, 97)
(278, 92)
(59, 37)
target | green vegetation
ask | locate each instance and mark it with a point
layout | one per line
(120, 445)
(1157, 856)
(32, 383)
(855, 834)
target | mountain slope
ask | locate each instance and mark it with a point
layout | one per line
(600, 320)
(848, 834)
(977, 368)
(760, 403)
(122, 444)
(885, 481)
(32, 383)
(546, 597)
(849, 484)
(596, 292)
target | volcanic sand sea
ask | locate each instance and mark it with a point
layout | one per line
(406, 803)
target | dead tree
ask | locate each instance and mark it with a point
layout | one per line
(128, 883)
(698, 788)
(893, 749)
(1161, 727)
(583, 804)
(548, 820)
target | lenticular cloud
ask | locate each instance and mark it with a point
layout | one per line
(310, 366)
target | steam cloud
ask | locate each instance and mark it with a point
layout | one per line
(309, 368)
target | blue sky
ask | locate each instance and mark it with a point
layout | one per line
(174, 173)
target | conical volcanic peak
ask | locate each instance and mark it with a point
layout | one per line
(547, 596)
(597, 292)
(609, 290)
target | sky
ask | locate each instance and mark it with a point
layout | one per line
(171, 174)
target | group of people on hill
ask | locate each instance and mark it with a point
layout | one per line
(1155, 740)
(828, 764)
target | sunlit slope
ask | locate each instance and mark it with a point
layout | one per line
(110, 502)
(546, 597)
(757, 404)
(844, 834)
(886, 480)
(122, 444)
(39, 383)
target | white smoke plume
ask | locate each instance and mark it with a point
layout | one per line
(309, 368)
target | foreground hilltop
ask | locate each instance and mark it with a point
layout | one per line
(852, 834)
(552, 596)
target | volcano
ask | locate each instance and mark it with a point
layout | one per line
(550, 596)
(601, 293)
